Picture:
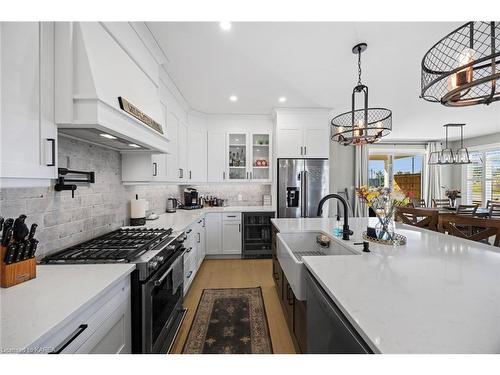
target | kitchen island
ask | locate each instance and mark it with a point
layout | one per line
(437, 294)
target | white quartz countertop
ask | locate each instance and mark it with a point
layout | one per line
(181, 219)
(437, 294)
(37, 307)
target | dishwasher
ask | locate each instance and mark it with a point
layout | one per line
(328, 330)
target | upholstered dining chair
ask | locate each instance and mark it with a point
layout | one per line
(494, 211)
(418, 217)
(466, 209)
(440, 203)
(484, 228)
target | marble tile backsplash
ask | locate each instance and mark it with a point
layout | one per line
(96, 209)
(103, 206)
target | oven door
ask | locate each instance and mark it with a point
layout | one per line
(163, 295)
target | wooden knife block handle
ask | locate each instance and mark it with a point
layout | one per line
(15, 273)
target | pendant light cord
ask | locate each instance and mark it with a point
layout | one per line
(359, 66)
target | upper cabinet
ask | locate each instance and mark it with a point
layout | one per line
(28, 133)
(248, 157)
(216, 156)
(302, 134)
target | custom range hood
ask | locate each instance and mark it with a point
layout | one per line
(103, 93)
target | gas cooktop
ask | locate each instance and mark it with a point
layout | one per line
(122, 245)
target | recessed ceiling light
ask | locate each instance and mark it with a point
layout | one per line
(109, 136)
(233, 98)
(134, 145)
(225, 25)
(282, 99)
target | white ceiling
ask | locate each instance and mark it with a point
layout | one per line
(313, 66)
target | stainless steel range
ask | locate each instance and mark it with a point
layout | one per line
(157, 282)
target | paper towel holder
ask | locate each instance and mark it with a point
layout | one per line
(137, 221)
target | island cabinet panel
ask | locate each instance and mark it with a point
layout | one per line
(288, 302)
(300, 324)
(328, 330)
(278, 278)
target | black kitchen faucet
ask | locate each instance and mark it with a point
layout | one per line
(346, 232)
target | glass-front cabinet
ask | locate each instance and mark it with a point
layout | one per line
(249, 156)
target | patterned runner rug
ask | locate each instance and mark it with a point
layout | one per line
(229, 321)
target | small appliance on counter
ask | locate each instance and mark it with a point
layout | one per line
(17, 251)
(191, 201)
(171, 205)
(190, 197)
(137, 211)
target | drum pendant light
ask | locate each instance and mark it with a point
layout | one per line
(463, 68)
(361, 126)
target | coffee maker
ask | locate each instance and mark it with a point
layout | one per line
(191, 198)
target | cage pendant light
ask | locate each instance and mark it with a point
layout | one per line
(361, 126)
(463, 68)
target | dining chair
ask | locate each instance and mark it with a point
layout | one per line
(489, 202)
(419, 202)
(467, 209)
(494, 211)
(484, 228)
(440, 203)
(418, 217)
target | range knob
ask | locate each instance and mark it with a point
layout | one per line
(160, 258)
(152, 265)
(171, 247)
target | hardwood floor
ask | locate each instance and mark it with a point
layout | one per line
(239, 273)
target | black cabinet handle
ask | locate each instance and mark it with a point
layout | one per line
(190, 175)
(189, 274)
(189, 231)
(189, 250)
(58, 349)
(155, 169)
(276, 276)
(53, 152)
(199, 237)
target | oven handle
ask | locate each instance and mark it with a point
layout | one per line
(160, 280)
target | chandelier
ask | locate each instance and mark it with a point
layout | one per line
(365, 125)
(447, 155)
(463, 68)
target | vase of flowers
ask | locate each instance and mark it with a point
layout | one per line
(452, 195)
(383, 202)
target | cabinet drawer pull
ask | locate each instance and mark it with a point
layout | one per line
(302, 150)
(199, 222)
(189, 274)
(155, 169)
(305, 150)
(275, 275)
(189, 249)
(189, 174)
(189, 231)
(231, 215)
(290, 299)
(52, 152)
(223, 175)
(199, 237)
(77, 332)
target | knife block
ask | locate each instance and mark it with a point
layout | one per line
(15, 273)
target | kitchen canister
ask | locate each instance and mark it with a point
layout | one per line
(137, 211)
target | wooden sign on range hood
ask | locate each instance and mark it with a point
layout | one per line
(138, 114)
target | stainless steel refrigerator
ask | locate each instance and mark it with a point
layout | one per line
(301, 185)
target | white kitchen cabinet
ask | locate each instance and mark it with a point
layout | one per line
(244, 152)
(172, 158)
(216, 157)
(213, 230)
(29, 134)
(159, 167)
(290, 142)
(316, 143)
(103, 327)
(197, 155)
(182, 151)
(231, 233)
(200, 242)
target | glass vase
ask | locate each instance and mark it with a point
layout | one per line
(384, 228)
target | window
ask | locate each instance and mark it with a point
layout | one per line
(396, 169)
(482, 177)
